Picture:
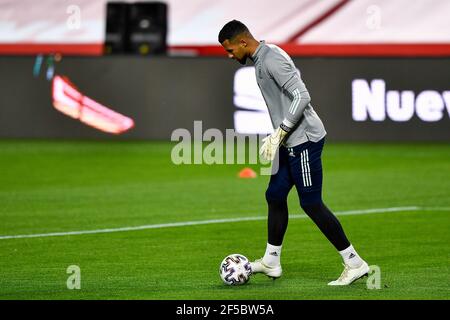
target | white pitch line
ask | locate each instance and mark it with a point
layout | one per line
(201, 222)
(435, 209)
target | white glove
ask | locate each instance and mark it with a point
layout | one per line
(271, 144)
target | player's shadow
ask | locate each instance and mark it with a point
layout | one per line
(261, 282)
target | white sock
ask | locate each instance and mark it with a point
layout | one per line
(272, 256)
(351, 257)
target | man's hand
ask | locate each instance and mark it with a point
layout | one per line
(271, 144)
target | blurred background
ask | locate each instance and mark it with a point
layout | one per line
(376, 69)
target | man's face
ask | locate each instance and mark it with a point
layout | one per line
(236, 50)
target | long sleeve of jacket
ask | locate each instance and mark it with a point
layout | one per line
(288, 79)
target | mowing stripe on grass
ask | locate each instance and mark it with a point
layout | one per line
(200, 222)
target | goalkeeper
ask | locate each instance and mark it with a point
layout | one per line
(298, 141)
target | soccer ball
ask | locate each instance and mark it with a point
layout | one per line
(235, 269)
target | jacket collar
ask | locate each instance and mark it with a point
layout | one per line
(258, 52)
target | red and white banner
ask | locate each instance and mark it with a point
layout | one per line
(70, 101)
(301, 27)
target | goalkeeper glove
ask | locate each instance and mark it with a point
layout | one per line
(271, 144)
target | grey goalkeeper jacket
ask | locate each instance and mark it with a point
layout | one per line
(286, 96)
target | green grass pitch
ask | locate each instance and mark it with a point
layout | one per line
(61, 186)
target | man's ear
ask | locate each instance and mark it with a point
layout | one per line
(243, 42)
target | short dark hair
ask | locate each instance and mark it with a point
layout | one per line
(231, 30)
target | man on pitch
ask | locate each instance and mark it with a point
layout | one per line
(298, 141)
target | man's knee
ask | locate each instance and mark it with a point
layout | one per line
(274, 194)
(310, 200)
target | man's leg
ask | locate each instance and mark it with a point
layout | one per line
(276, 196)
(306, 168)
